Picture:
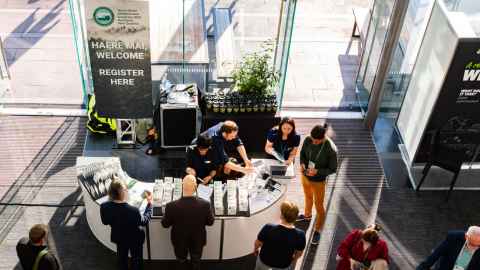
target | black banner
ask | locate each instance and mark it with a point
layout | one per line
(455, 119)
(119, 49)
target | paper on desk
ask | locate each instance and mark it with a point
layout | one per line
(135, 193)
(259, 201)
(204, 192)
(278, 156)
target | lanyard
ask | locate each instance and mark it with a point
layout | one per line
(460, 257)
(319, 152)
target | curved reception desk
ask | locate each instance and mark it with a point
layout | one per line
(230, 237)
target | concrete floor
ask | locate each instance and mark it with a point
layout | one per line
(38, 41)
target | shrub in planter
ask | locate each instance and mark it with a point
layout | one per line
(254, 82)
(255, 76)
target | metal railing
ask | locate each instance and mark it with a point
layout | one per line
(4, 74)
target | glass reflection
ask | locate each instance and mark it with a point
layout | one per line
(405, 54)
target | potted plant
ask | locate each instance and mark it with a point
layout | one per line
(254, 80)
(255, 76)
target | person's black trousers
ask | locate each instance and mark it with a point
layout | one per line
(182, 251)
(136, 251)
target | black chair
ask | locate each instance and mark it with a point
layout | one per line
(449, 150)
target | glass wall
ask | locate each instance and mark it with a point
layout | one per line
(284, 39)
(3, 63)
(471, 8)
(375, 39)
(4, 73)
(77, 16)
(406, 51)
(405, 54)
(202, 41)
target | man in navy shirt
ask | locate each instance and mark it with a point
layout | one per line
(203, 161)
(227, 143)
(280, 244)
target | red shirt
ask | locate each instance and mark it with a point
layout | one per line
(352, 247)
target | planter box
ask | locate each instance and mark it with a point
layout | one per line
(239, 104)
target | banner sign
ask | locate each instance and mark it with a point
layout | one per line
(457, 110)
(119, 49)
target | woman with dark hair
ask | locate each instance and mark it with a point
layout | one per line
(363, 250)
(283, 140)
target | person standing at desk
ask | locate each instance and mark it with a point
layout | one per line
(318, 159)
(226, 142)
(125, 221)
(203, 162)
(284, 140)
(188, 217)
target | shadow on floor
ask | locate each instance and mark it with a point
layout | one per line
(31, 26)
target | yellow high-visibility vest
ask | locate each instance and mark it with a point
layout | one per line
(96, 123)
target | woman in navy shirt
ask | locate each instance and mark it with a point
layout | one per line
(284, 140)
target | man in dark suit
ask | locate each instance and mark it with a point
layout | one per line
(188, 217)
(125, 221)
(460, 251)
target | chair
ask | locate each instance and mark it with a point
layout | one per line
(449, 150)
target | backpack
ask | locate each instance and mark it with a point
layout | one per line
(96, 123)
(40, 255)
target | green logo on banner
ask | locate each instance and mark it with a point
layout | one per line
(103, 16)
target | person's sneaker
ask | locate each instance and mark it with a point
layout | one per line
(302, 217)
(315, 238)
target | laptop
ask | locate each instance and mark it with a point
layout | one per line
(278, 170)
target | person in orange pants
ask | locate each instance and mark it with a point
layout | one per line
(318, 159)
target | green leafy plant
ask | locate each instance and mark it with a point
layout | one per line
(255, 74)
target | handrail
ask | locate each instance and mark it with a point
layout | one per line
(4, 74)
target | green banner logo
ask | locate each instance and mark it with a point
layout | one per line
(103, 16)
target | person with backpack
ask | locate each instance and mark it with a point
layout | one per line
(33, 253)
